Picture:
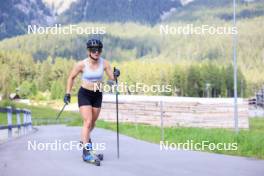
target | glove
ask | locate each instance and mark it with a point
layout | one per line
(67, 98)
(116, 73)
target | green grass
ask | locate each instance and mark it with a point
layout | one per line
(3, 116)
(250, 142)
(38, 113)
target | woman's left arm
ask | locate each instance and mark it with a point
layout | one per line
(108, 70)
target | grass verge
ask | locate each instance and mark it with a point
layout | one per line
(250, 143)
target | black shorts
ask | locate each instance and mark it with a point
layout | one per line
(89, 97)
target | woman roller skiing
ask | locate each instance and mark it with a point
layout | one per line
(92, 69)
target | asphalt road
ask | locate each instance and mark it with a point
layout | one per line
(137, 158)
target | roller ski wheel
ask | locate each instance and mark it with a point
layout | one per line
(91, 160)
(100, 156)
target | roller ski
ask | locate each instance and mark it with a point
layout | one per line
(89, 157)
(100, 156)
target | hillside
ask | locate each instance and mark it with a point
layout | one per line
(16, 15)
(143, 11)
(131, 41)
(217, 10)
(120, 43)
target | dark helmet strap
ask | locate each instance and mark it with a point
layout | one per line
(92, 57)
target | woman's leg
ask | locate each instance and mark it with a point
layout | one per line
(95, 115)
(86, 112)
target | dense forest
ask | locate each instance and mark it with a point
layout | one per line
(47, 79)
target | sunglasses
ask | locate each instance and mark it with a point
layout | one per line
(94, 50)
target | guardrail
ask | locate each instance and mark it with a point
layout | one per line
(26, 125)
(258, 100)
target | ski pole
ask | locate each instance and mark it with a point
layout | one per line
(61, 111)
(117, 118)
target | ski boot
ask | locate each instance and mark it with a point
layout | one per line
(100, 156)
(89, 157)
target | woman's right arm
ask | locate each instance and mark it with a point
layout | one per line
(74, 72)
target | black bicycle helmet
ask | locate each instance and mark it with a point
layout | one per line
(94, 43)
